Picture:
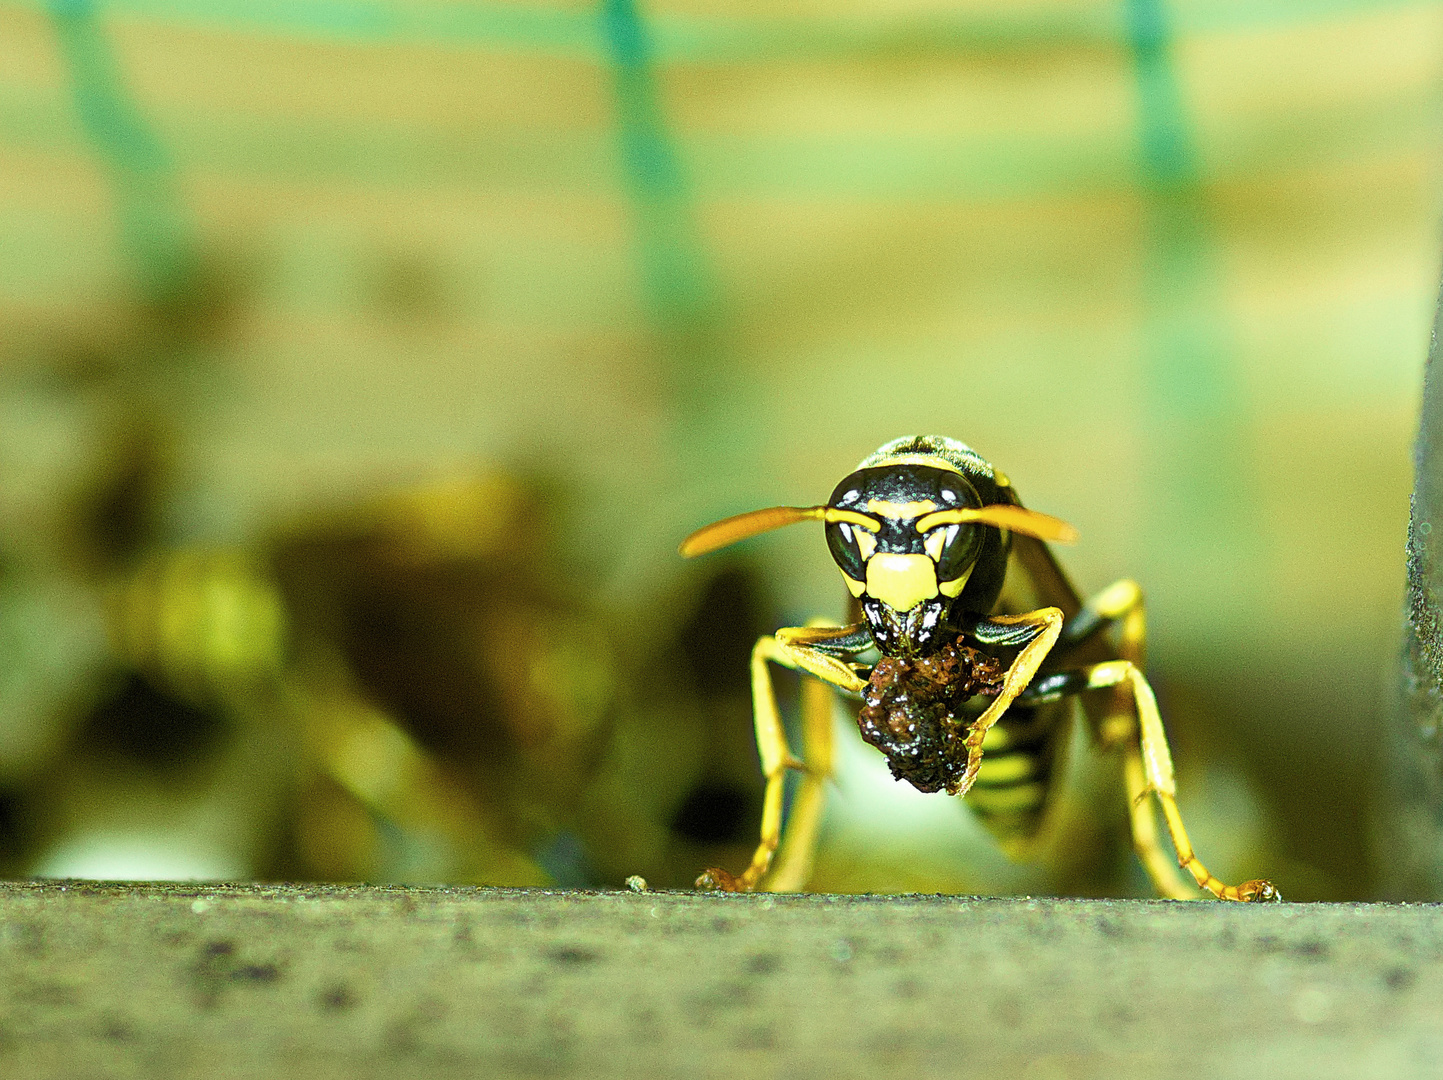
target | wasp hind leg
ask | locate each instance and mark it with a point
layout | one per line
(793, 866)
(819, 651)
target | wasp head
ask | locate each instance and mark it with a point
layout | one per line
(901, 557)
(923, 525)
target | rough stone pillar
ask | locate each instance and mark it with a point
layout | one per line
(1411, 808)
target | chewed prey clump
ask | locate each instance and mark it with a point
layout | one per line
(914, 711)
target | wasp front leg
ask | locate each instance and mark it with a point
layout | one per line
(1037, 632)
(816, 650)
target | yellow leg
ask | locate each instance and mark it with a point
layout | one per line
(793, 647)
(1148, 770)
(1019, 675)
(793, 867)
(1146, 841)
(1122, 601)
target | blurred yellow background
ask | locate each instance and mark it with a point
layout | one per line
(363, 361)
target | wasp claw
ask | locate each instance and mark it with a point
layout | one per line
(1260, 892)
(719, 880)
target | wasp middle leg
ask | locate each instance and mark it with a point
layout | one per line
(1121, 605)
(1138, 729)
(1148, 774)
(793, 866)
(1148, 771)
(821, 651)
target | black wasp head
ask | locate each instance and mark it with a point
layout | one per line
(923, 523)
(904, 568)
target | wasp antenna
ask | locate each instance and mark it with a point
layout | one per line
(729, 530)
(1006, 516)
(830, 514)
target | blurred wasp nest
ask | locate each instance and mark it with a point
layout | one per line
(411, 686)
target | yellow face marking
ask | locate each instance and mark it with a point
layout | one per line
(934, 543)
(901, 511)
(866, 544)
(954, 587)
(855, 587)
(901, 581)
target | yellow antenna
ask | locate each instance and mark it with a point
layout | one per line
(729, 530)
(1005, 516)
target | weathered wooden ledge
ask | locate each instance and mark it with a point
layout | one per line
(186, 980)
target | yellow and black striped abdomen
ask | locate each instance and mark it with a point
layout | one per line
(1014, 783)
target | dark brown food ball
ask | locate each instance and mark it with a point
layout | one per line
(914, 712)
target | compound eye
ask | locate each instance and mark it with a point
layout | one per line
(851, 547)
(937, 540)
(954, 548)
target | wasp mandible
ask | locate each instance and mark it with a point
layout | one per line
(980, 641)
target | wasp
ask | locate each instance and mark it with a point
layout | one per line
(970, 647)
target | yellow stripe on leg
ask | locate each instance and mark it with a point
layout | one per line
(1154, 761)
(1146, 841)
(791, 647)
(1049, 624)
(798, 852)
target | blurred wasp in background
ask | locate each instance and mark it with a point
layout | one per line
(981, 645)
